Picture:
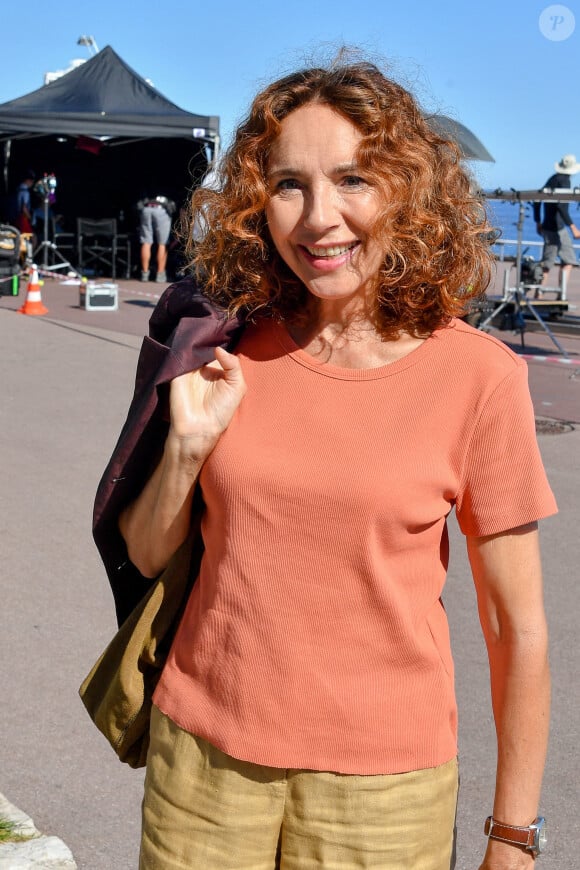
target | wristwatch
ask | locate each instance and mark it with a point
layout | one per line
(531, 837)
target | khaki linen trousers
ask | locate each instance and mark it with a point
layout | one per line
(204, 810)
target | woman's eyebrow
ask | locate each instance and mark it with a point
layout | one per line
(345, 168)
(341, 169)
(282, 170)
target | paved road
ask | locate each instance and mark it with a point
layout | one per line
(65, 388)
(64, 393)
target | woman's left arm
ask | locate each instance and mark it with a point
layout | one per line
(507, 573)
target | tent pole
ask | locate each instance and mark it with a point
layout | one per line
(7, 150)
(216, 148)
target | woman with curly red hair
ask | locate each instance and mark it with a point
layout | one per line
(430, 226)
(306, 714)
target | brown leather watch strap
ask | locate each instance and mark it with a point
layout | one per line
(517, 836)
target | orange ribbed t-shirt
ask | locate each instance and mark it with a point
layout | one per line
(315, 636)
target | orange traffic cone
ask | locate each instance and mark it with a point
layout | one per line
(33, 303)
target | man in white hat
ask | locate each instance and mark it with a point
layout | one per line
(554, 227)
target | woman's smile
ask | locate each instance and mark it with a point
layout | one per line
(330, 257)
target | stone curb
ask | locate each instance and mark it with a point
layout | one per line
(40, 851)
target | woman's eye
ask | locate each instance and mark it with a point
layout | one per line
(287, 184)
(353, 181)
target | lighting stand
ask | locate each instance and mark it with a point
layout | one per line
(516, 296)
(46, 245)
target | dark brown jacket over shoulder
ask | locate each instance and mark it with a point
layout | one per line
(184, 329)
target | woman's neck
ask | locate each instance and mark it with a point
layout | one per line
(350, 343)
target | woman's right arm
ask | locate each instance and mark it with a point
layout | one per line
(202, 404)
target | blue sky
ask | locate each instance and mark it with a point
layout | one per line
(488, 64)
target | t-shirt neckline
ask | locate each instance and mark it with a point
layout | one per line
(300, 356)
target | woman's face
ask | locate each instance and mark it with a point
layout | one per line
(322, 207)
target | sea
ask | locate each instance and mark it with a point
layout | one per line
(505, 215)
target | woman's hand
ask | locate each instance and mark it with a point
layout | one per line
(202, 404)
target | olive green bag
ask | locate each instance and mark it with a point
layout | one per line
(118, 691)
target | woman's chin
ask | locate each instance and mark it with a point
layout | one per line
(327, 291)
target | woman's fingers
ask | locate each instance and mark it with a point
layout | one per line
(203, 402)
(226, 365)
(228, 361)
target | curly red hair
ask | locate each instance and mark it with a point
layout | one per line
(432, 226)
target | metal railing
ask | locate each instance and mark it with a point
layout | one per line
(499, 247)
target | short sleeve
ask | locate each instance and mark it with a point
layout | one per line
(504, 484)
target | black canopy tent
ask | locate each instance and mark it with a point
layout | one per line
(108, 136)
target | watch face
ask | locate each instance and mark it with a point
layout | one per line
(540, 839)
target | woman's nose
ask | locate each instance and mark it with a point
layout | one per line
(320, 210)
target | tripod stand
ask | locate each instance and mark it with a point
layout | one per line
(517, 296)
(46, 245)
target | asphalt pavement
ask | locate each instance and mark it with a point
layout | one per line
(67, 379)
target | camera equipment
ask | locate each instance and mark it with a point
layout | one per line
(517, 296)
(46, 188)
(531, 271)
(9, 259)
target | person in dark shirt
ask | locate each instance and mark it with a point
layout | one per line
(23, 209)
(554, 226)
